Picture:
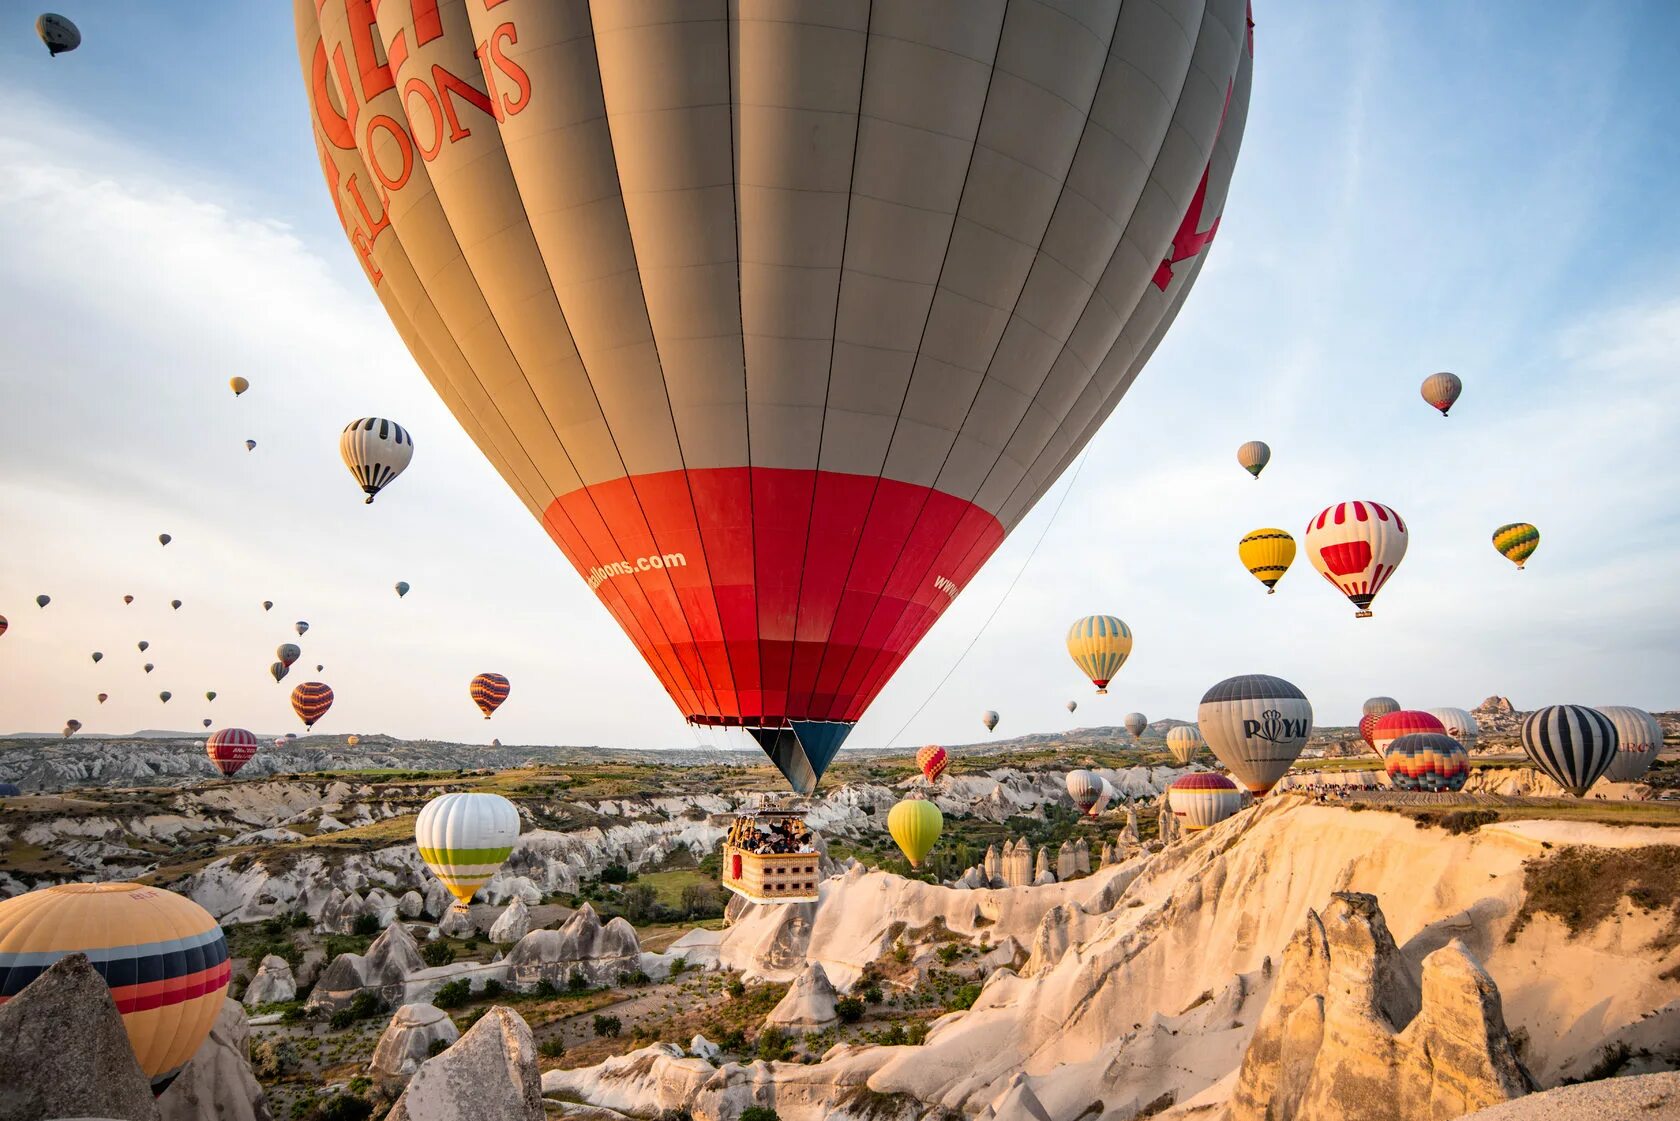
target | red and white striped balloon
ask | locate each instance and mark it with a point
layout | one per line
(1357, 545)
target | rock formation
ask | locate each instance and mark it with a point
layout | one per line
(411, 905)
(340, 912)
(1640, 1097)
(1017, 863)
(1350, 1035)
(1016, 1103)
(704, 1048)
(1130, 833)
(600, 951)
(1081, 858)
(1107, 855)
(457, 922)
(408, 1038)
(1042, 868)
(1066, 868)
(1166, 824)
(387, 963)
(809, 1002)
(273, 983)
(490, 1074)
(217, 1084)
(993, 866)
(64, 1051)
(512, 924)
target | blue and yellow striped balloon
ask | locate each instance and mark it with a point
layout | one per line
(1516, 542)
(1099, 645)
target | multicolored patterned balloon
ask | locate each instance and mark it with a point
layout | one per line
(1433, 762)
(1403, 723)
(488, 691)
(310, 701)
(932, 760)
(1356, 545)
(1254, 456)
(1441, 390)
(1516, 542)
(464, 838)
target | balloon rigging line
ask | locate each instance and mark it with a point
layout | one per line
(1022, 571)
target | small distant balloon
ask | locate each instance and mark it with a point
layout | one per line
(1267, 554)
(302, 627)
(250, 445)
(103, 697)
(1516, 542)
(268, 604)
(71, 727)
(58, 33)
(231, 748)
(165, 695)
(288, 653)
(128, 599)
(98, 657)
(310, 701)
(1073, 706)
(989, 719)
(149, 667)
(164, 539)
(488, 691)
(402, 588)
(376, 451)
(143, 645)
(352, 740)
(175, 604)
(238, 385)
(210, 696)
(207, 721)
(279, 670)
(932, 760)
(319, 667)
(3, 624)
(1253, 456)
(1136, 723)
(1441, 390)
(42, 601)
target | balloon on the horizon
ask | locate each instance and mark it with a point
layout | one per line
(1441, 390)
(1073, 706)
(1639, 738)
(1431, 762)
(1459, 724)
(238, 385)
(1380, 706)
(376, 450)
(310, 701)
(1203, 799)
(300, 626)
(42, 601)
(165, 695)
(210, 695)
(208, 721)
(402, 588)
(279, 741)
(1136, 723)
(97, 657)
(464, 838)
(990, 719)
(230, 749)
(488, 691)
(1356, 545)
(1254, 456)
(1099, 645)
(1085, 788)
(915, 824)
(288, 653)
(1267, 554)
(164, 539)
(1516, 542)
(933, 761)
(278, 670)
(103, 697)
(352, 740)
(1405, 722)
(250, 445)
(71, 727)
(58, 33)
(175, 604)
(1183, 740)
(1256, 725)
(778, 590)
(268, 604)
(143, 645)
(1573, 744)
(163, 956)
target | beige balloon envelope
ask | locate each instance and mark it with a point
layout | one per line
(1256, 725)
(731, 302)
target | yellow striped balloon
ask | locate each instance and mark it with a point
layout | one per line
(1267, 554)
(1099, 645)
(464, 838)
(1516, 542)
(915, 824)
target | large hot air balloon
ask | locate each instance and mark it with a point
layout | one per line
(97, 656)
(42, 601)
(1184, 740)
(777, 373)
(915, 824)
(1458, 724)
(71, 727)
(1254, 456)
(990, 719)
(278, 671)
(376, 451)
(1406, 722)
(1136, 723)
(1431, 762)
(163, 956)
(1441, 390)
(311, 701)
(230, 749)
(1257, 726)
(463, 838)
(1516, 542)
(164, 539)
(238, 385)
(1267, 554)
(1356, 545)
(1073, 706)
(288, 653)
(301, 627)
(1099, 645)
(1573, 744)
(933, 761)
(1203, 799)
(57, 32)
(488, 691)
(402, 588)
(1639, 739)
(1085, 788)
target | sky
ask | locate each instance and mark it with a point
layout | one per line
(1422, 186)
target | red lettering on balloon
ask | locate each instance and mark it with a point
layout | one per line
(416, 85)
(392, 126)
(1189, 241)
(334, 127)
(376, 76)
(448, 84)
(506, 33)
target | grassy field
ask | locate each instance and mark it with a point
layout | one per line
(668, 886)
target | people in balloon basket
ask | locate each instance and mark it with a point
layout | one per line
(785, 835)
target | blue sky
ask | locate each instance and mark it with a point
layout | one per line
(1484, 188)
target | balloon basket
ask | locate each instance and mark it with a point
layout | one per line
(770, 856)
(1361, 614)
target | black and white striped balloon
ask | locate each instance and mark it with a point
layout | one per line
(376, 451)
(1573, 744)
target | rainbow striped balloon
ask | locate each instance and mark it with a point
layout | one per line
(1516, 542)
(1432, 762)
(489, 690)
(464, 838)
(163, 955)
(1099, 645)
